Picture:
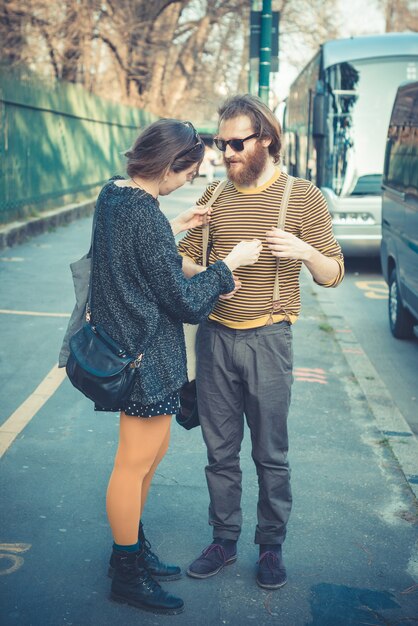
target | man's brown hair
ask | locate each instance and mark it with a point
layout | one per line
(263, 120)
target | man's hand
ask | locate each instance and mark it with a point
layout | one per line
(231, 294)
(285, 245)
(191, 218)
(282, 244)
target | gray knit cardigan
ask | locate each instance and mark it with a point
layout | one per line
(139, 293)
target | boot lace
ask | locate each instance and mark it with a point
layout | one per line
(148, 582)
(216, 549)
(148, 554)
(269, 560)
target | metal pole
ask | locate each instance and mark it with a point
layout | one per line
(252, 73)
(265, 52)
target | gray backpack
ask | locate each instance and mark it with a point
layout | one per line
(80, 270)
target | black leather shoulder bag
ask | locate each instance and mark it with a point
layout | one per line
(97, 365)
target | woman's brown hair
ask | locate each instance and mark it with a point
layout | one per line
(263, 120)
(164, 144)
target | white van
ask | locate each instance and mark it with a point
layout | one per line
(399, 248)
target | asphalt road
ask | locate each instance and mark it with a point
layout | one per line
(351, 550)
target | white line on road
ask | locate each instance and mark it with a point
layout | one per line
(14, 425)
(35, 313)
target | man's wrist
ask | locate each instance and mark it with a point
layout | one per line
(190, 268)
(309, 255)
(231, 262)
(175, 226)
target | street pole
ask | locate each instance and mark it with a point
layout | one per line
(252, 71)
(265, 52)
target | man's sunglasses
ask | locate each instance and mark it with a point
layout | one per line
(236, 144)
(198, 144)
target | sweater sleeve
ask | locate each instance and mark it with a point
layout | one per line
(317, 230)
(189, 300)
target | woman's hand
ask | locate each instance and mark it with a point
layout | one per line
(231, 294)
(191, 218)
(244, 253)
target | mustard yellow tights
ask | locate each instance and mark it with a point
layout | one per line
(143, 442)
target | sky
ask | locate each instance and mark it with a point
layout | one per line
(357, 18)
(360, 17)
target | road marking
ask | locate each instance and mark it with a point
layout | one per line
(14, 425)
(374, 289)
(15, 547)
(17, 561)
(33, 313)
(12, 259)
(311, 375)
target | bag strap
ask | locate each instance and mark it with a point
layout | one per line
(137, 361)
(93, 228)
(205, 229)
(281, 224)
(90, 256)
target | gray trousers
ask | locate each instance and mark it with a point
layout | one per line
(246, 372)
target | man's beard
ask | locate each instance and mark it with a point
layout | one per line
(250, 168)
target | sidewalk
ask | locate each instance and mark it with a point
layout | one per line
(351, 550)
(18, 232)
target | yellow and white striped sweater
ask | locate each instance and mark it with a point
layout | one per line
(247, 213)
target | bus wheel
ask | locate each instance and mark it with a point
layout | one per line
(401, 321)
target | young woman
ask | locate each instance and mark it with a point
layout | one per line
(141, 297)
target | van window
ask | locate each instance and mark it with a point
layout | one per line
(401, 157)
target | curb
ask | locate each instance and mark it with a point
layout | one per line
(389, 420)
(18, 232)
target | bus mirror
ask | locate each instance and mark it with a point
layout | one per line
(318, 121)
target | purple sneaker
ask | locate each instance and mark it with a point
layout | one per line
(211, 561)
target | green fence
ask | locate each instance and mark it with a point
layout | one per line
(58, 143)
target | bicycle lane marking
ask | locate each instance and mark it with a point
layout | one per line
(374, 289)
(9, 552)
(20, 418)
(310, 375)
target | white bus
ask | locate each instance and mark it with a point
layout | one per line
(335, 125)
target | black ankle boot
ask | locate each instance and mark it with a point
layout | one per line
(150, 561)
(133, 585)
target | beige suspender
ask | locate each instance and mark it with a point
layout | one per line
(205, 229)
(281, 224)
(190, 330)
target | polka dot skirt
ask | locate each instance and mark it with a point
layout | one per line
(168, 406)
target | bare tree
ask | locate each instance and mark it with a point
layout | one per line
(174, 57)
(12, 31)
(305, 25)
(400, 15)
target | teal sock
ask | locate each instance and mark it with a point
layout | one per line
(133, 548)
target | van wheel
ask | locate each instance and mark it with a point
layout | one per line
(401, 321)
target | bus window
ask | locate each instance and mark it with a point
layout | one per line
(362, 96)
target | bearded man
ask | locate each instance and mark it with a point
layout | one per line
(244, 348)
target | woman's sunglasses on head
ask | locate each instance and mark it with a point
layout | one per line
(236, 144)
(198, 143)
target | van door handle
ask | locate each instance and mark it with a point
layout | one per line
(399, 195)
